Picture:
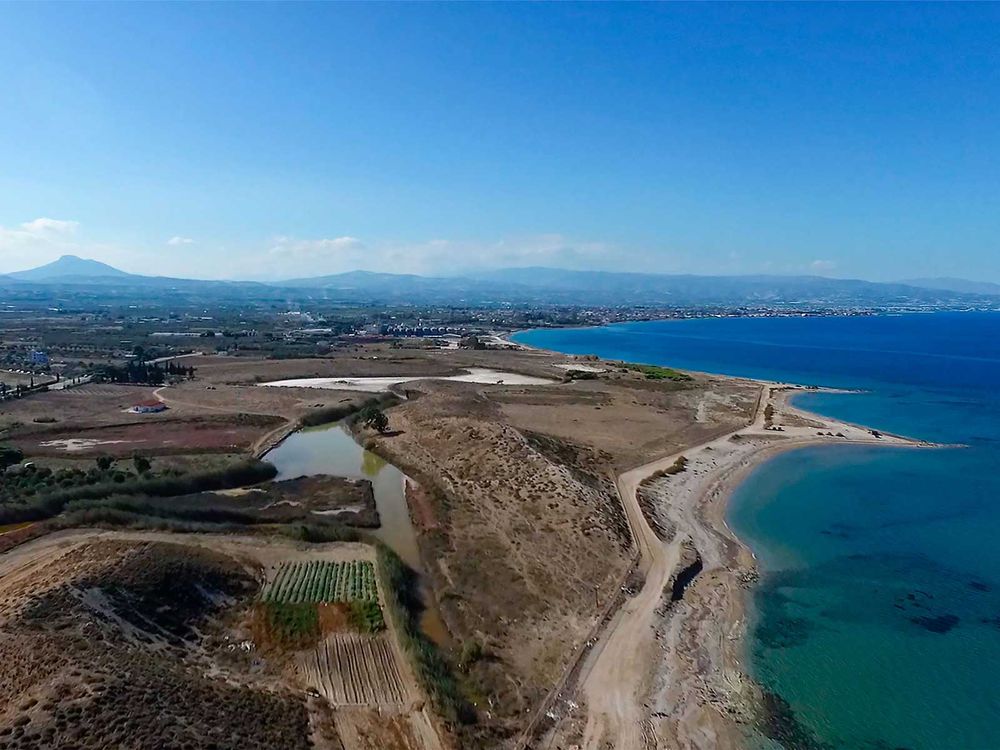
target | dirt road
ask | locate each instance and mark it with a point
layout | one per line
(618, 662)
(618, 676)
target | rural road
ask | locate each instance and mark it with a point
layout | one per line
(617, 664)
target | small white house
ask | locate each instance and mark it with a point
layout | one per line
(148, 407)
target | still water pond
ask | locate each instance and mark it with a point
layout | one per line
(332, 450)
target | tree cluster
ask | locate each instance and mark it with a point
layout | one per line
(144, 372)
(375, 418)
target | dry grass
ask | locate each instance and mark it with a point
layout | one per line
(373, 360)
(528, 528)
(519, 512)
(100, 648)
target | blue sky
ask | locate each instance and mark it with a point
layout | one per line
(268, 141)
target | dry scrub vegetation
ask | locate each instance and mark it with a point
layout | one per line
(523, 530)
(105, 647)
(525, 539)
(112, 639)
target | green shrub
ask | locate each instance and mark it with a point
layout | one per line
(656, 372)
(9, 455)
(399, 587)
(48, 503)
(472, 651)
(292, 624)
(328, 414)
(366, 616)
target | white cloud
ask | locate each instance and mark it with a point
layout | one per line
(46, 227)
(822, 266)
(39, 241)
(332, 249)
(41, 230)
(35, 242)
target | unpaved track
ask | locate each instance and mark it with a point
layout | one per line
(616, 672)
(619, 661)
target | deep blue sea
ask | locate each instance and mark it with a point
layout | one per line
(877, 616)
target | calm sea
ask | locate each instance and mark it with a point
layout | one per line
(877, 617)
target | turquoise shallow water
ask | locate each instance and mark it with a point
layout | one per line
(877, 617)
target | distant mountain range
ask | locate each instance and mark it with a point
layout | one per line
(540, 286)
(963, 286)
(72, 271)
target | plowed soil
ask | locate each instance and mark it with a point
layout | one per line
(350, 670)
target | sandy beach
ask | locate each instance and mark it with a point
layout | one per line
(667, 671)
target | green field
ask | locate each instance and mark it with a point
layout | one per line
(321, 582)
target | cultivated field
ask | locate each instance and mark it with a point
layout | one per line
(352, 670)
(160, 437)
(319, 581)
(146, 639)
(90, 405)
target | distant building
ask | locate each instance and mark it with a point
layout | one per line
(39, 358)
(148, 407)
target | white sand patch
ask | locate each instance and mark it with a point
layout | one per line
(473, 375)
(357, 508)
(581, 368)
(75, 445)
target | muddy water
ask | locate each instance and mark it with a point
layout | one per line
(330, 449)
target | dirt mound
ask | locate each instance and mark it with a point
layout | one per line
(108, 644)
(529, 539)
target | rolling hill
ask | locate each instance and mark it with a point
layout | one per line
(962, 286)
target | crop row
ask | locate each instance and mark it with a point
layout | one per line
(321, 581)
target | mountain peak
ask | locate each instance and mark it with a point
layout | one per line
(68, 266)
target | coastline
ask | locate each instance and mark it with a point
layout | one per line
(671, 673)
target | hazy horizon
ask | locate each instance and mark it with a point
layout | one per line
(281, 279)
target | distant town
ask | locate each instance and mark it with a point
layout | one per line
(77, 320)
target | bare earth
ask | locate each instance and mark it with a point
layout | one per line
(111, 588)
(524, 535)
(378, 384)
